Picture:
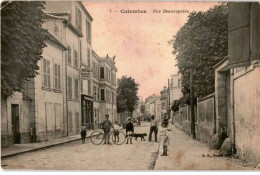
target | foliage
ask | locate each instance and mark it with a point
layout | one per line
(22, 41)
(142, 109)
(200, 44)
(127, 94)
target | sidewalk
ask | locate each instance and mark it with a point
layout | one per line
(29, 147)
(184, 153)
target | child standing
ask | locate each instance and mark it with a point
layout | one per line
(83, 133)
(129, 130)
(116, 131)
(165, 140)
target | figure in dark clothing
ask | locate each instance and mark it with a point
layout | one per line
(106, 125)
(83, 133)
(129, 130)
(153, 128)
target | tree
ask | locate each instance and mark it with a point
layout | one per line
(199, 45)
(142, 109)
(127, 94)
(22, 42)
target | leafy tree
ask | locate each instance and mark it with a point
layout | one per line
(22, 42)
(200, 44)
(127, 94)
(142, 109)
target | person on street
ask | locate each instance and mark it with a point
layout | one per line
(106, 127)
(153, 128)
(83, 132)
(165, 140)
(129, 130)
(116, 131)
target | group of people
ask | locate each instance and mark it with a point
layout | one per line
(107, 125)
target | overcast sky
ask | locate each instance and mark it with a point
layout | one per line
(140, 40)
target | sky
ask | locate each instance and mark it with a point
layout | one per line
(140, 40)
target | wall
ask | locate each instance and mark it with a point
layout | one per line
(247, 113)
(205, 118)
(48, 128)
(182, 119)
(6, 120)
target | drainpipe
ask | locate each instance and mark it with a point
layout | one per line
(233, 113)
(66, 88)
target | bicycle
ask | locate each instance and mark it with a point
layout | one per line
(97, 137)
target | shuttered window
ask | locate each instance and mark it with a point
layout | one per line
(57, 77)
(50, 121)
(75, 59)
(46, 74)
(69, 56)
(76, 89)
(88, 57)
(69, 87)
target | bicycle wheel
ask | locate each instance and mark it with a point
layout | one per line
(120, 139)
(97, 137)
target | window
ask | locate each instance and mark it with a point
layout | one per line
(94, 93)
(58, 117)
(75, 59)
(46, 74)
(76, 89)
(179, 82)
(102, 73)
(57, 77)
(50, 120)
(69, 87)
(78, 19)
(88, 32)
(102, 91)
(80, 51)
(112, 98)
(89, 87)
(88, 57)
(69, 56)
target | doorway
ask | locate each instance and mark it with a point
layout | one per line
(15, 123)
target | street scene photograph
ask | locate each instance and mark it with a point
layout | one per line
(130, 85)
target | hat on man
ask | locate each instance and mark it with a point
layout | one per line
(129, 118)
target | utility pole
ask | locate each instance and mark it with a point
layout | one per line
(192, 104)
(169, 101)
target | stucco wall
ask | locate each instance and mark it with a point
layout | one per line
(247, 114)
(48, 98)
(205, 119)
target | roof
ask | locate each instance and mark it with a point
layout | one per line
(51, 38)
(85, 10)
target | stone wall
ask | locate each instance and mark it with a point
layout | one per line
(206, 119)
(181, 119)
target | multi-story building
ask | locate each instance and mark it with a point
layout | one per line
(175, 92)
(107, 87)
(150, 105)
(164, 102)
(175, 87)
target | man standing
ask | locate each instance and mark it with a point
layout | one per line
(153, 128)
(106, 127)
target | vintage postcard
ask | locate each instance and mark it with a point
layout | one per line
(130, 85)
